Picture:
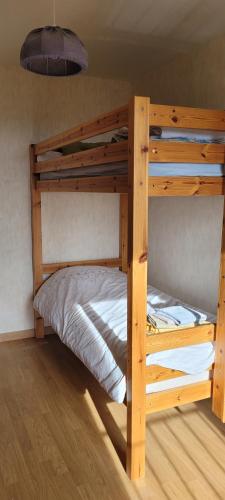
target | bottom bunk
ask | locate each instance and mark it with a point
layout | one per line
(87, 307)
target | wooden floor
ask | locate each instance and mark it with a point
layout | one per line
(53, 444)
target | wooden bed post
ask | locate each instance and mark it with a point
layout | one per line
(218, 405)
(138, 122)
(123, 230)
(36, 243)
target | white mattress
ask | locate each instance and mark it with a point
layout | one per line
(186, 169)
(177, 382)
(87, 307)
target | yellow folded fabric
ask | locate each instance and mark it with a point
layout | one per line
(153, 329)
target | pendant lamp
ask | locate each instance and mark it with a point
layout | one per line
(53, 51)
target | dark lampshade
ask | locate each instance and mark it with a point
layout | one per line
(53, 51)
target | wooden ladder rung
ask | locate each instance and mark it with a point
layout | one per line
(179, 338)
(155, 373)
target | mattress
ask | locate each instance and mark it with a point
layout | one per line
(87, 307)
(154, 169)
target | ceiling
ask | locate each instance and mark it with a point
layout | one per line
(123, 37)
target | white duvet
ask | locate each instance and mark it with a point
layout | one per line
(87, 307)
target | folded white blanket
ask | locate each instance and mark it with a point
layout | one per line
(49, 155)
(87, 307)
(192, 135)
(176, 316)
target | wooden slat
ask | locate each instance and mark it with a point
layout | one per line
(106, 184)
(185, 117)
(53, 267)
(137, 283)
(103, 123)
(123, 230)
(155, 373)
(36, 242)
(181, 152)
(110, 153)
(218, 405)
(179, 396)
(157, 186)
(180, 338)
(186, 186)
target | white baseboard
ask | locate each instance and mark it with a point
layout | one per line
(22, 334)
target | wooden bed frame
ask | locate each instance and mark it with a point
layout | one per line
(134, 190)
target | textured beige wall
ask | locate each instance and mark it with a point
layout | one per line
(74, 225)
(185, 233)
(16, 109)
(197, 79)
(78, 225)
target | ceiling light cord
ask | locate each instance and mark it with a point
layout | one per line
(54, 14)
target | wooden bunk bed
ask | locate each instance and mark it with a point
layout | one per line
(134, 189)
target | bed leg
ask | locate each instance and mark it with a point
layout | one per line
(39, 328)
(137, 284)
(36, 243)
(218, 400)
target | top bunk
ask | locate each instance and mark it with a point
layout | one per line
(185, 153)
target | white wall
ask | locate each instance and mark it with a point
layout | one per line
(74, 225)
(185, 233)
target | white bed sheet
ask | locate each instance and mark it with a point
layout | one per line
(87, 307)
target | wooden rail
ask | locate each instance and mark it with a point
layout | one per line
(179, 396)
(52, 268)
(155, 373)
(157, 186)
(103, 123)
(106, 184)
(185, 117)
(186, 152)
(110, 153)
(180, 338)
(186, 186)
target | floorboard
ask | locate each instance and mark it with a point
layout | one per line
(54, 445)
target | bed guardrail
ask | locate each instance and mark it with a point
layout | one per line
(100, 125)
